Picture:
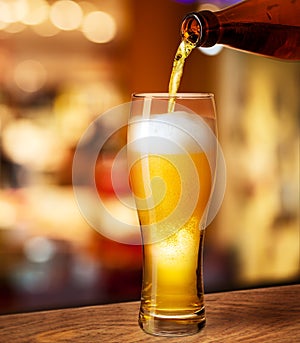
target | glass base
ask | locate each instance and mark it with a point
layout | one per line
(172, 325)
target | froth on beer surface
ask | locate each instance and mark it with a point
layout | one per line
(169, 133)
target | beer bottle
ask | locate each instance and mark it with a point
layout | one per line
(265, 27)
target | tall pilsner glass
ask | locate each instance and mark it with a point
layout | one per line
(172, 157)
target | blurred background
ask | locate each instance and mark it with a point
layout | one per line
(62, 64)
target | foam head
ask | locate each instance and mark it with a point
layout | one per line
(171, 133)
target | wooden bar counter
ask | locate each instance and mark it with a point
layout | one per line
(257, 315)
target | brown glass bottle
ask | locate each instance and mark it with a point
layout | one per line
(264, 27)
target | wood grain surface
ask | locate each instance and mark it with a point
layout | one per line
(259, 315)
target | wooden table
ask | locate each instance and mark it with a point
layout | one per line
(259, 315)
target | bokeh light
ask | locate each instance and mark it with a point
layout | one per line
(37, 12)
(29, 144)
(39, 249)
(48, 19)
(13, 10)
(99, 27)
(30, 75)
(45, 29)
(66, 14)
(15, 27)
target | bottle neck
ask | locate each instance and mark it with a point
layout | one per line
(264, 27)
(201, 28)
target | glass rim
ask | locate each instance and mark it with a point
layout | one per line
(165, 95)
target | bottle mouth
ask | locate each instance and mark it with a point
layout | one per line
(191, 29)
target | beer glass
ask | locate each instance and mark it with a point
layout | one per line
(172, 158)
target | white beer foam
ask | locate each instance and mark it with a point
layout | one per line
(171, 133)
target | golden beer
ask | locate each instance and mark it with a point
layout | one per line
(183, 51)
(172, 191)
